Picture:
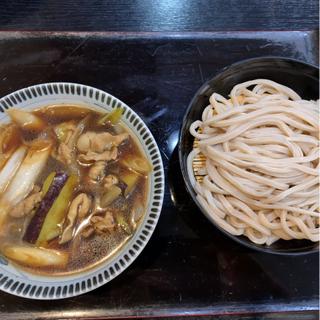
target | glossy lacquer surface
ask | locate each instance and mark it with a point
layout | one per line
(159, 15)
(189, 267)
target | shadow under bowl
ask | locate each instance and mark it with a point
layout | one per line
(299, 76)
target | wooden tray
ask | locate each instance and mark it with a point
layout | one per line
(188, 267)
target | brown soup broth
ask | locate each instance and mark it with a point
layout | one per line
(85, 253)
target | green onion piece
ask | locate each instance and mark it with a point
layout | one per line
(114, 116)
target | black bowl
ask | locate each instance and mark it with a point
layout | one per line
(301, 77)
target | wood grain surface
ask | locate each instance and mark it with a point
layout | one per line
(159, 15)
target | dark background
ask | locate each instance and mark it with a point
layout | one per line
(158, 15)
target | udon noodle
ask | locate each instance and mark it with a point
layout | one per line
(260, 176)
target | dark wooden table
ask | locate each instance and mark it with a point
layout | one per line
(188, 268)
(158, 15)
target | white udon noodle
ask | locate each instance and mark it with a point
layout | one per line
(261, 178)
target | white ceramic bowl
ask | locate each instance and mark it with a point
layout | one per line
(21, 283)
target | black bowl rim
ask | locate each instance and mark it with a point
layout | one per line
(183, 165)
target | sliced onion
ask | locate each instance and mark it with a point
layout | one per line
(11, 167)
(26, 120)
(23, 181)
(35, 257)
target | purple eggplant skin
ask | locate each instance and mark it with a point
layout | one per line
(33, 230)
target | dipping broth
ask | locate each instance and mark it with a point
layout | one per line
(74, 188)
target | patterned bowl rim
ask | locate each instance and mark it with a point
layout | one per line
(21, 283)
